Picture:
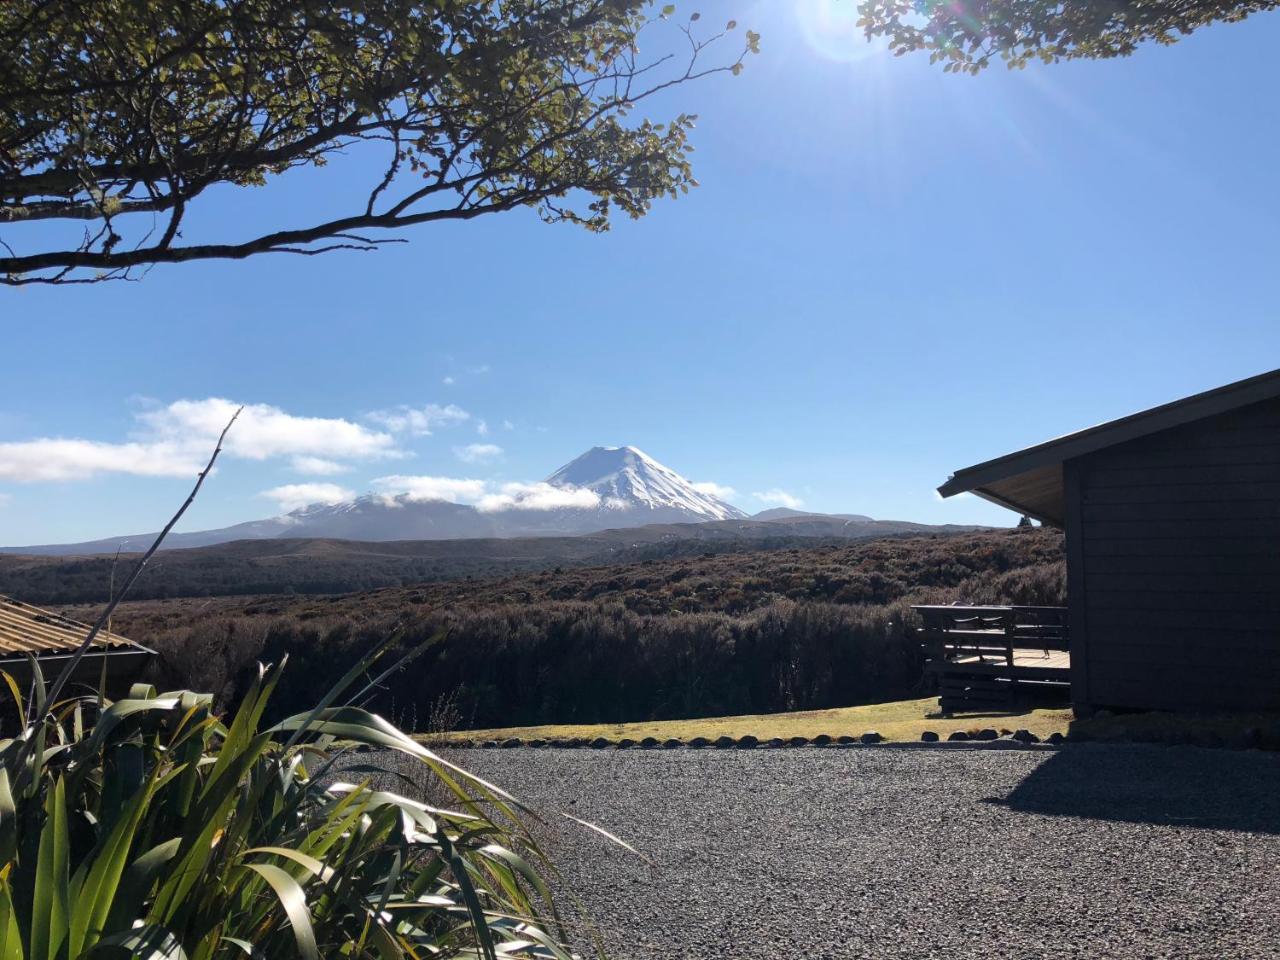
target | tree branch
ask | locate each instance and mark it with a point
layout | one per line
(68, 670)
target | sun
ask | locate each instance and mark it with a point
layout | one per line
(830, 27)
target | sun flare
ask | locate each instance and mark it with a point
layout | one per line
(830, 27)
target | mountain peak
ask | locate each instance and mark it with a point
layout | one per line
(627, 478)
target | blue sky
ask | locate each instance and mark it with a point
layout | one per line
(888, 273)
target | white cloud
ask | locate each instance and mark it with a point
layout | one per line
(482, 428)
(263, 431)
(780, 497)
(508, 425)
(419, 421)
(477, 452)
(176, 440)
(319, 466)
(420, 488)
(537, 496)
(292, 496)
(51, 458)
(448, 381)
(486, 497)
(715, 490)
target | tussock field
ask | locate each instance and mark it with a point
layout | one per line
(751, 632)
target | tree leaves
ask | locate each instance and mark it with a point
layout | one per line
(122, 115)
(966, 36)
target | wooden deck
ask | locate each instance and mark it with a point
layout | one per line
(1055, 660)
(995, 657)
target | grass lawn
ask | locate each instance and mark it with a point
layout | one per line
(902, 720)
(907, 719)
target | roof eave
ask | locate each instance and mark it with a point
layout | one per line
(1021, 508)
(1210, 403)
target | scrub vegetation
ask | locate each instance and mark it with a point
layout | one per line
(721, 635)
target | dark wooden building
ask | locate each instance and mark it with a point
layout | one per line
(1172, 521)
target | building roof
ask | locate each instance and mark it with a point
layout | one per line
(1030, 481)
(27, 629)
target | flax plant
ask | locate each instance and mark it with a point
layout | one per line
(153, 829)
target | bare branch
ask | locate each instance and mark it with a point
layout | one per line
(64, 676)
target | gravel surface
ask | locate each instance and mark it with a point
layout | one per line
(1091, 851)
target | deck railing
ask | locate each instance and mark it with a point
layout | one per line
(991, 633)
(983, 656)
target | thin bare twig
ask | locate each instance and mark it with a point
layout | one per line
(65, 676)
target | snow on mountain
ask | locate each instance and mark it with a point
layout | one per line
(606, 487)
(628, 479)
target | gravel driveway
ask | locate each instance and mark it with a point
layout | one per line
(1091, 851)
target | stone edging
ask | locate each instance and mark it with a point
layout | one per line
(987, 739)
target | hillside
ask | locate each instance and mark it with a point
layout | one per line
(603, 489)
(750, 631)
(326, 566)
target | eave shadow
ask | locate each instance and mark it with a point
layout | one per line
(1181, 786)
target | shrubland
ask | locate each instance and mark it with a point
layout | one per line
(749, 632)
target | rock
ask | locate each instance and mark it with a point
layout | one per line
(1024, 736)
(846, 740)
(776, 742)
(987, 734)
(648, 743)
(536, 743)
(821, 740)
(1250, 738)
(958, 735)
(799, 741)
(699, 742)
(724, 743)
(929, 737)
(511, 742)
(579, 742)
(561, 743)
(626, 743)
(599, 743)
(871, 737)
(1076, 735)
(1055, 737)
(672, 744)
(748, 742)
(489, 744)
(464, 744)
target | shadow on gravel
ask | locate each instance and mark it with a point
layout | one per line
(1171, 786)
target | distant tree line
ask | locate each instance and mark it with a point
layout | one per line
(727, 634)
(221, 571)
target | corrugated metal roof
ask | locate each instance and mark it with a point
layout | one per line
(28, 629)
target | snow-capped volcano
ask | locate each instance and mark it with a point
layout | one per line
(606, 487)
(628, 479)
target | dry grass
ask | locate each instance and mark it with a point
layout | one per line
(900, 720)
(907, 719)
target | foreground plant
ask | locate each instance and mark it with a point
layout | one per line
(152, 829)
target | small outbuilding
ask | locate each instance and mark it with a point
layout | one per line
(51, 638)
(1172, 522)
